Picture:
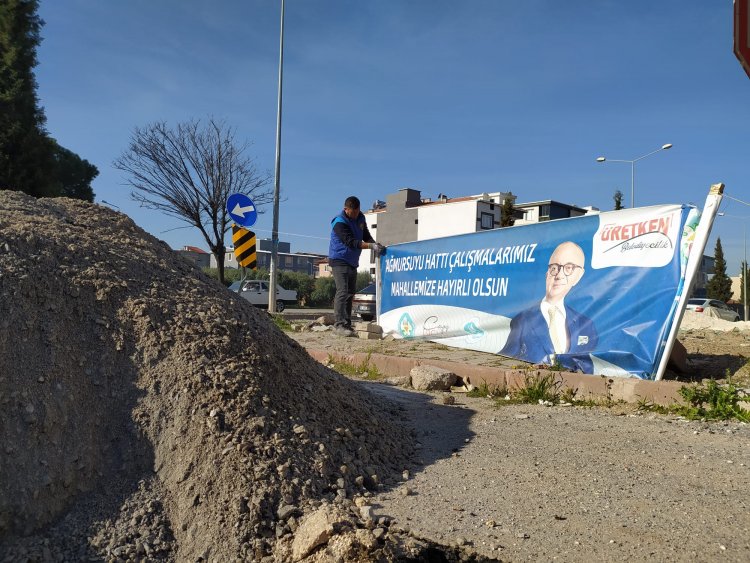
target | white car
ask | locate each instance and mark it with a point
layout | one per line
(714, 308)
(256, 292)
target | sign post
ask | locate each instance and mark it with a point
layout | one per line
(742, 33)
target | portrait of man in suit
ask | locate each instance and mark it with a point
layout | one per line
(551, 328)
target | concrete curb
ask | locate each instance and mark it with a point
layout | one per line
(586, 387)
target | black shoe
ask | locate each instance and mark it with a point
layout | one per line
(343, 331)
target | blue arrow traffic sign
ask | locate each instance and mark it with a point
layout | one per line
(242, 210)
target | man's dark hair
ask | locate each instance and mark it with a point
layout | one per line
(351, 203)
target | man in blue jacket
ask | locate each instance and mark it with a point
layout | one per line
(552, 331)
(349, 235)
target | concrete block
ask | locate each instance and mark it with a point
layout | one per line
(368, 327)
(368, 335)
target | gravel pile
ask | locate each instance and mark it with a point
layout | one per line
(148, 413)
(692, 320)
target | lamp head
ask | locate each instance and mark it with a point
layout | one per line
(601, 159)
(667, 146)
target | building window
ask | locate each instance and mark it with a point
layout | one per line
(492, 206)
(488, 220)
(374, 226)
(416, 221)
(544, 212)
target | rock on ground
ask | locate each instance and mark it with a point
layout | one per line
(432, 378)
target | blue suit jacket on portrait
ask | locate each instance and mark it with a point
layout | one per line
(529, 339)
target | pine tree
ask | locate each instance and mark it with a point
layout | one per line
(507, 212)
(618, 200)
(720, 285)
(26, 153)
(31, 161)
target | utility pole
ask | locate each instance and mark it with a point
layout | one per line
(277, 180)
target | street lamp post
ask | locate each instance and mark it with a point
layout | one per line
(273, 274)
(744, 261)
(744, 270)
(632, 168)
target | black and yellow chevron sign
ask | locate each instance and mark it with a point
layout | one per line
(244, 247)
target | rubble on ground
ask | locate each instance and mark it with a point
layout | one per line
(149, 413)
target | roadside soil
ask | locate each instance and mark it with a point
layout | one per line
(530, 482)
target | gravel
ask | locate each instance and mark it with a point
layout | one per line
(529, 482)
(149, 413)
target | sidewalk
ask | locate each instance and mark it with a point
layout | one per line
(394, 358)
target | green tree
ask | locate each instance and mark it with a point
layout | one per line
(507, 212)
(189, 172)
(300, 282)
(325, 289)
(73, 175)
(720, 285)
(26, 159)
(31, 161)
(618, 200)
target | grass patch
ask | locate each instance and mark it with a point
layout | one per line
(539, 388)
(362, 371)
(707, 401)
(485, 390)
(282, 323)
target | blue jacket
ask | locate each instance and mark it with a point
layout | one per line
(529, 339)
(346, 234)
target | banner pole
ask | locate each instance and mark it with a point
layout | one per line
(378, 291)
(702, 231)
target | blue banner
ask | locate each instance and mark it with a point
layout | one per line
(595, 294)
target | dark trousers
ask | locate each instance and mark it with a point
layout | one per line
(345, 277)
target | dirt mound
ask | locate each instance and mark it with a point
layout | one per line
(147, 412)
(692, 320)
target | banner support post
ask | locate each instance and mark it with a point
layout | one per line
(702, 231)
(377, 290)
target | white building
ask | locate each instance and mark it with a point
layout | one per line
(406, 216)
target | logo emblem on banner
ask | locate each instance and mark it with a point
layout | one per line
(473, 331)
(244, 247)
(406, 326)
(643, 238)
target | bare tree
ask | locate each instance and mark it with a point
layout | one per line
(189, 172)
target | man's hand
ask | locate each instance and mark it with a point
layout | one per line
(378, 249)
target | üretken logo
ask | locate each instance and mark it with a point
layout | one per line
(636, 237)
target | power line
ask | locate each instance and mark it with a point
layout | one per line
(737, 200)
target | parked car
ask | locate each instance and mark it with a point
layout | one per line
(721, 309)
(363, 304)
(256, 292)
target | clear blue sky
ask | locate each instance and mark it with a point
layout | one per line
(442, 96)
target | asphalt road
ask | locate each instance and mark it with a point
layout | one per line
(529, 482)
